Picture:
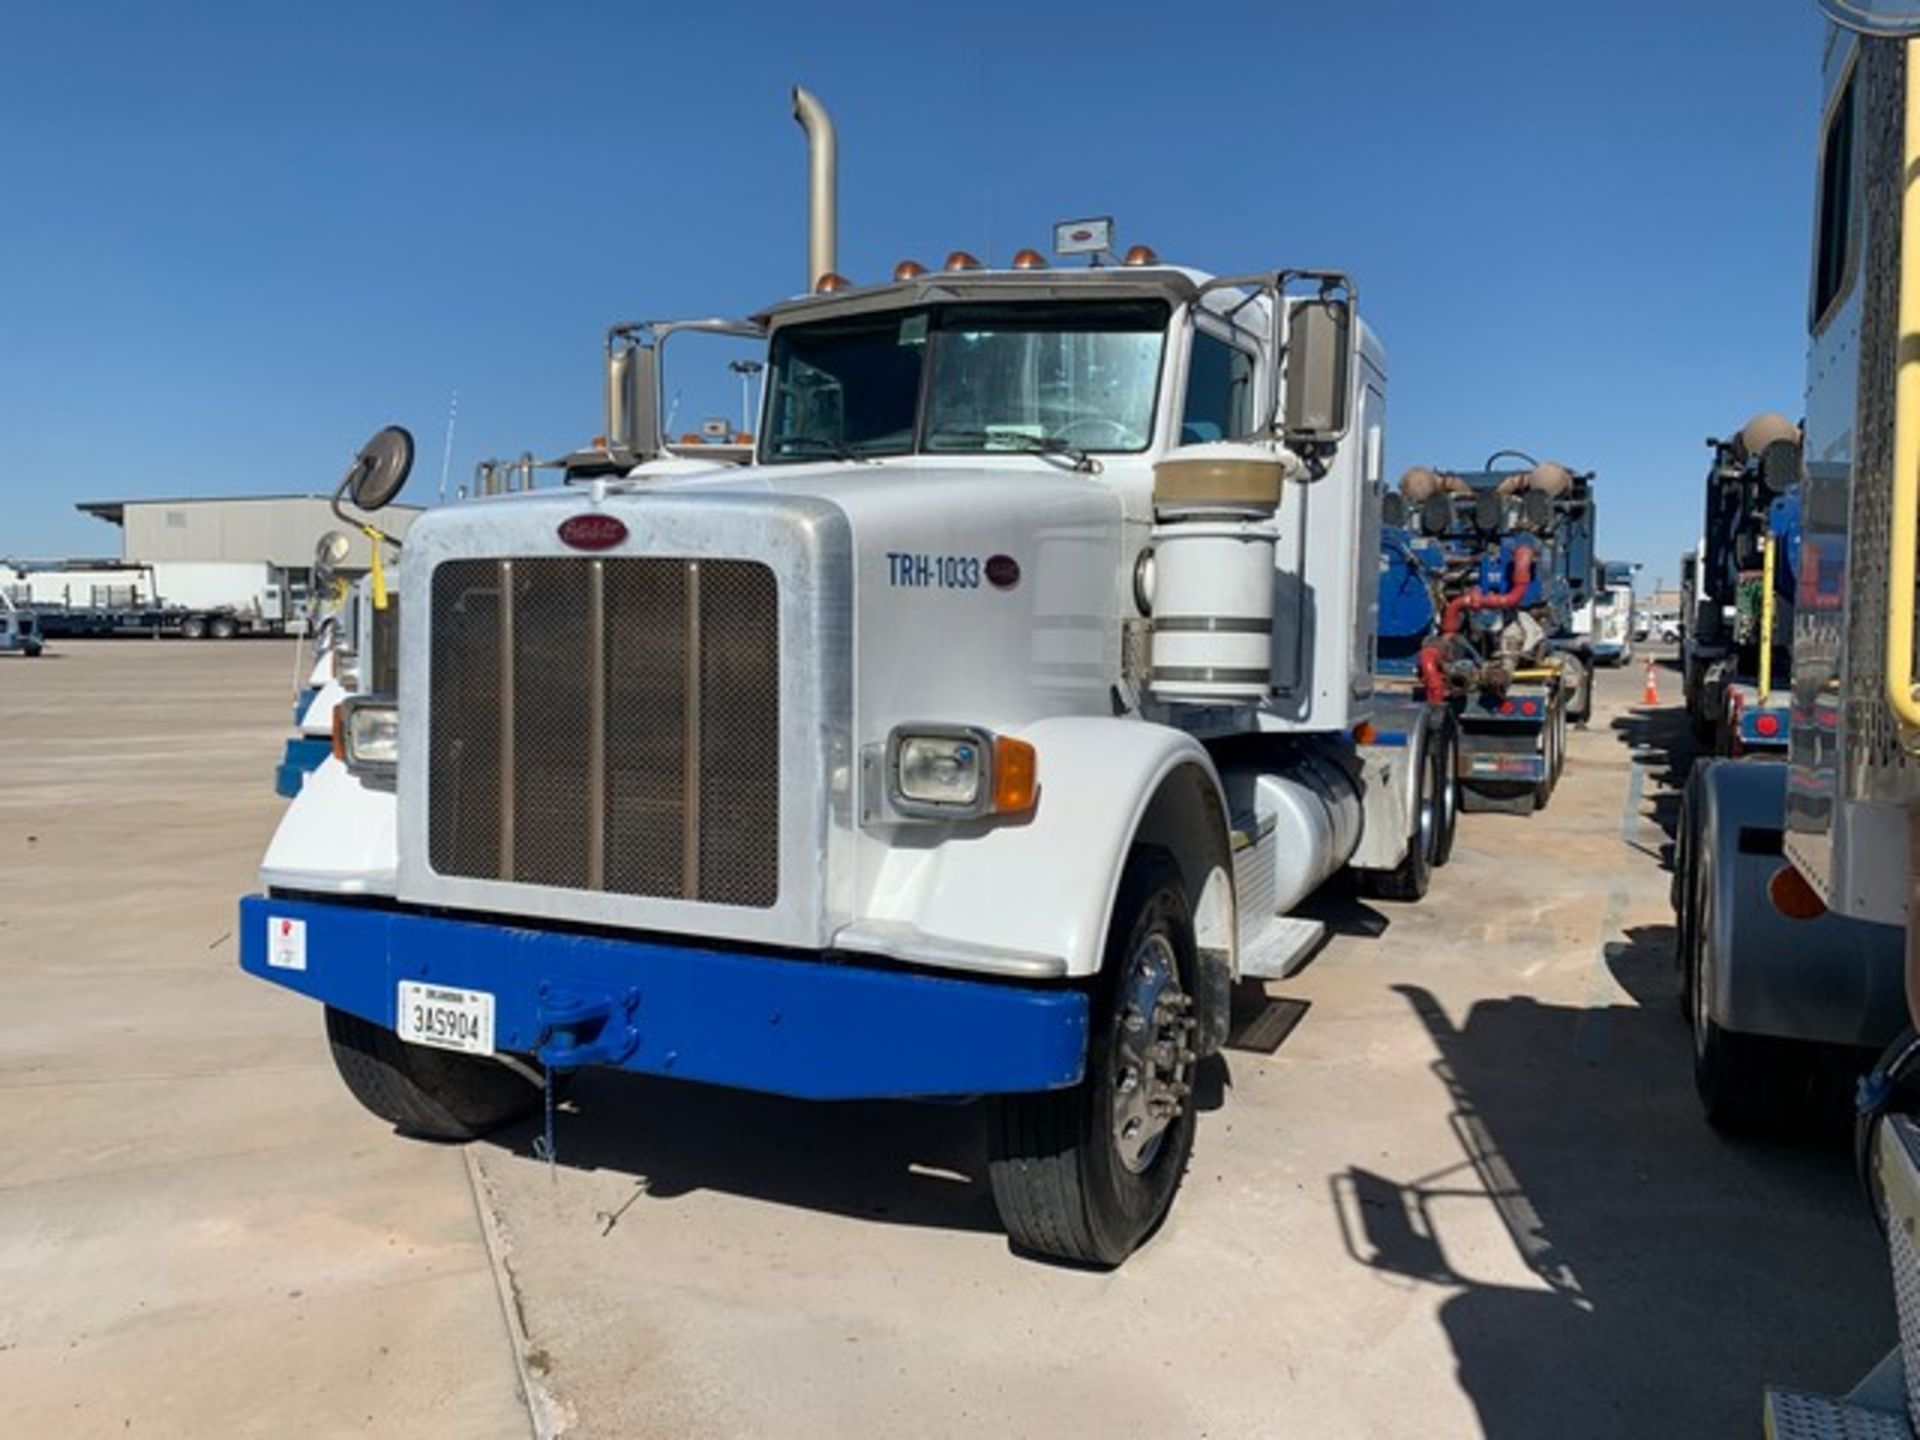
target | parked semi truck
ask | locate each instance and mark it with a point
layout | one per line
(1473, 589)
(333, 640)
(19, 630)
(1853, 777)
(1615, 614)
(190, 600)
(1785, 987)
(971, 738)
(1737, 656)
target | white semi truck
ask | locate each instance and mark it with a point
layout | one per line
(970, 733)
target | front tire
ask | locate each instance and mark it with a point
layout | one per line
(1087, 1174)
(435, 1094)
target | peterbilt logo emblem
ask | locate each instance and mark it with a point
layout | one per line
(592, 532)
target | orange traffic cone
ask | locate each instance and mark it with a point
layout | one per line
(1652, 696)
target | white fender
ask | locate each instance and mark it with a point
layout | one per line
(318, 719)
(338, 836)
(1034, 897)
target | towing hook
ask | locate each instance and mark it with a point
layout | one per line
(579, 1030)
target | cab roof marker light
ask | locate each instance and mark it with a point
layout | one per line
(961, 260)
(909, 270)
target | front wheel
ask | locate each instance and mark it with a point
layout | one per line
(435, 1094)
(1086, 1174)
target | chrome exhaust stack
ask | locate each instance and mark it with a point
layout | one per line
(823, 184)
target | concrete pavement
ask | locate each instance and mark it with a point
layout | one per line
(1470, 1194)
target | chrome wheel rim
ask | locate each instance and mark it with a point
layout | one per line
(1153, 1055)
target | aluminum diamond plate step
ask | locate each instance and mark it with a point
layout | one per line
(1798, 1415)
(1280, 947)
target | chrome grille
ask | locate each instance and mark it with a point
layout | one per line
(607, 725)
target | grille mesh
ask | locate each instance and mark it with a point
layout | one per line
(627, 743)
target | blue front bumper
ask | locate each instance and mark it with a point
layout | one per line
(813, 1028)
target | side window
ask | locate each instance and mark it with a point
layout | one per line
(1219, 399)
(1833, 241)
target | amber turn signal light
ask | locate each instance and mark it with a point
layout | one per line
(1016, 776)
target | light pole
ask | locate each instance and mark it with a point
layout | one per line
(746, 370)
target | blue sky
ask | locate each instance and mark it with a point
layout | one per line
(237, 238)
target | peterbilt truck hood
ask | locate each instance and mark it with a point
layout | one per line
(703, 779)
(985, 594)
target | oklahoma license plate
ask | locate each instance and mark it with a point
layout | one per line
(445, 1018)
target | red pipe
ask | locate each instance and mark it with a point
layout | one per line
(1480, 600)
(1431, 673)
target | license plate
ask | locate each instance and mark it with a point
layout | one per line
(445, 1018)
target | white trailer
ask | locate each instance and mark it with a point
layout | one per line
(190, 599)
(973, 736)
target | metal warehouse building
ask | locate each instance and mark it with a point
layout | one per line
(248, 555)
(280, 530)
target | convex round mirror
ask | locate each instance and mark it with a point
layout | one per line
(380, 469)
(1436, 514)
(1874, 17)
(1393, 509)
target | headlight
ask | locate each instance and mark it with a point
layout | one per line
(367, 734)
(944, 770)
(957, 772)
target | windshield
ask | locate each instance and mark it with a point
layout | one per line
(1079, 376)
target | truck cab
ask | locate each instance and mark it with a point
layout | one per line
(19, 630)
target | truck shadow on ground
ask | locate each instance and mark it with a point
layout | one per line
(893, 1162)
(1663, 745)
(1674, 1273)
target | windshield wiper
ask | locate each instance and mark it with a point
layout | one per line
(818, 445)
(1013, 440)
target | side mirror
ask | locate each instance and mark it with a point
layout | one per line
(1436, 513)
(633, 394)
(328, 556)
(1393, 509)
(378, 471)
(1319, 369)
